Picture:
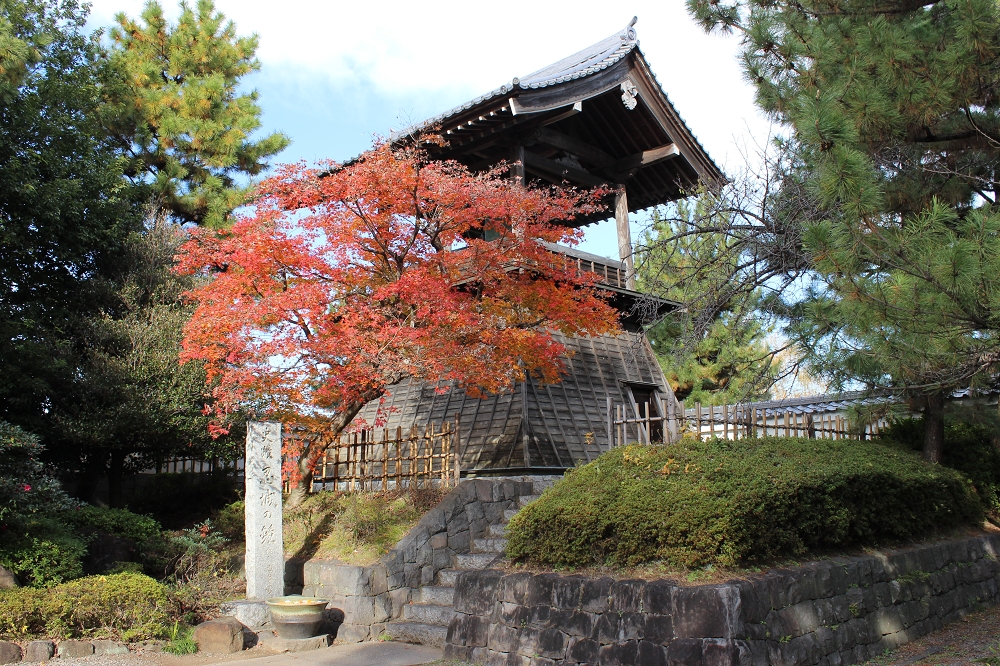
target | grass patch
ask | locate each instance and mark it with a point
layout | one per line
(355, 528)
(732, 503)
(181, 640)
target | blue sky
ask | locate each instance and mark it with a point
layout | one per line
(336, 74)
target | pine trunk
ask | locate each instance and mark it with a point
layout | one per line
(934, 427)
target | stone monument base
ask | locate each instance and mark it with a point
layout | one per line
(251, 612)
(277, 644)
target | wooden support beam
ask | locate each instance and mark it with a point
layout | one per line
(645, 158)
(624, 236)
(535, 162)
(581, 149)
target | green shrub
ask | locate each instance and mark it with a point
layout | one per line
(117, 522)
(696, 503)
(969, 433)
(42, 550)
(126, 606)
(26, 487)
(231, 521)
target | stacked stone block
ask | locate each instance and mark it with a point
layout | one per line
(370, 596)
(839, 611)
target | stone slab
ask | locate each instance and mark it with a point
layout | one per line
(278, 644)
(37, 651)
(75, 649)
(251, 612)
(109, 648)
(265, 557)
(10, 653)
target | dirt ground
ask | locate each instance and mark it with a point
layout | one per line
(974, 639)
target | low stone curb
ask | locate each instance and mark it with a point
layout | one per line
(43, 650)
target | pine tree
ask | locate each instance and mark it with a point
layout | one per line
(174, 107)
(892, 111)
(713, 348)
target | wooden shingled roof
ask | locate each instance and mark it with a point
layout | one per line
(534, 426)
(598, 117)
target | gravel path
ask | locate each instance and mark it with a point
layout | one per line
(355, 654)
(975, 639)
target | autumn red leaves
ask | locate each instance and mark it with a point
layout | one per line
(348, 279)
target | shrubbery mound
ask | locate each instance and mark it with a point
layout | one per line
(126, 606)
(729, 503)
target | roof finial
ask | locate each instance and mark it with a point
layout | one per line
(629, 34)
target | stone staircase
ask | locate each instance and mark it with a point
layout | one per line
(426, 617)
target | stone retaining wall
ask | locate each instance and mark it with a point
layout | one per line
(840, 611)
(370, 596)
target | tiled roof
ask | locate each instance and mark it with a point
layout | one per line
(590, 60)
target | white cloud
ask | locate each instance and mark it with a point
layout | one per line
(410, 48)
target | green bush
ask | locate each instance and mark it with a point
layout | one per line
(231, 521)
(126, 606)
(969, 433)
(117, 522)
(26, 487)
(724, 502)
(42, 550)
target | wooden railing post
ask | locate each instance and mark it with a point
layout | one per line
(611, 422)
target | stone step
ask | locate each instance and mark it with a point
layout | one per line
(417, 632)
(494, 545)
(428, 614)
(496, 531)
(525, 500)
(434, 594)
(474, 560)
(447, 577)
(508, 514)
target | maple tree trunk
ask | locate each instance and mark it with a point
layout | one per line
(313, 450)
(934, 427)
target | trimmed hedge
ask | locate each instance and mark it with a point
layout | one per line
(126, 606)
(724, 502)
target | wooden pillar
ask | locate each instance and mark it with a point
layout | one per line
(624, 236)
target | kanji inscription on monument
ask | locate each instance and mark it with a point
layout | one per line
(265, 557)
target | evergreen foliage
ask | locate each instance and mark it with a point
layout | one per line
(892, 109)
(98, 138)
(713, 348)
(175, 110)
(65, 209)
(735, 502)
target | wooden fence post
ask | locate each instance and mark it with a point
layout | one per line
(457, 449)
(611, 424)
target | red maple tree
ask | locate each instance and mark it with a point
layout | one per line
(349, 279)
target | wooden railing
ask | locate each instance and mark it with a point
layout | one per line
(610, 275)
(380, 460)
(665, 421)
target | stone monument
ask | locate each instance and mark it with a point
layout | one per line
(265, 554)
